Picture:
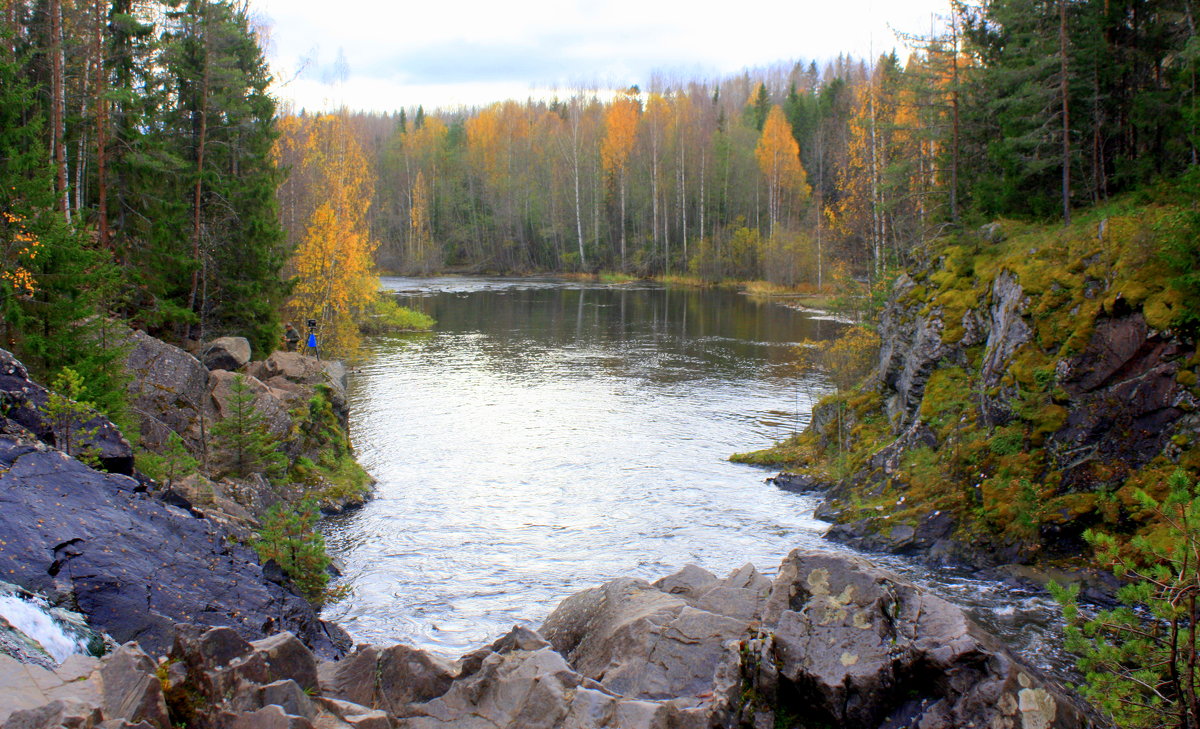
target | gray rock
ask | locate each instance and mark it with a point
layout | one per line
(288, 658)
(1008, 333)
(267, 403)
(854, 645)
(389, 679)
(268, 717)
(226, 353)
(57, 714)
(643, 643)
(132, 691)
(357, 716)
(168, 390)
(992, 233)
(688, 583)
(24, 402)
(288, 695)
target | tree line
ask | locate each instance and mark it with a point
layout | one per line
(148, 173)
(136, 143)
(1007, 108)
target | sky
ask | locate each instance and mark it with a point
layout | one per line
(383, 55)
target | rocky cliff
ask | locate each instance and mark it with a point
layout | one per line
(1028, 384)
(135, 561)
(301, 401)
(832, 642)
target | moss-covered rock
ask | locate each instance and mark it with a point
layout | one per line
(1027, 384)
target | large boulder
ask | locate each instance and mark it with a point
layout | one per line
(846, 644)
(134, 565)
(226, 353)
(298, 368)
(168, 390)
(24, 401)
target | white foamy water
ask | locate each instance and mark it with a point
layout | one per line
(36, 623)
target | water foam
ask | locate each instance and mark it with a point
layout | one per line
(35, 621)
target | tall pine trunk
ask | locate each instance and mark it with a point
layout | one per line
(198, 185)
(58, 108)
(1066, 114)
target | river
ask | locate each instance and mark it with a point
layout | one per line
(550, 435)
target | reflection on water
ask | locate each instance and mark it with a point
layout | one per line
(549, 436)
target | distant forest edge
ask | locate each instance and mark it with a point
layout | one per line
(1013, 108)
(149, 174)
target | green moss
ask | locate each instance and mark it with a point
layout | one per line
(1000, 482)
(334, 477)
(1007, 441)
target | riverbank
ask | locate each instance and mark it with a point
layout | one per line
(830, 641)
(1016, 401)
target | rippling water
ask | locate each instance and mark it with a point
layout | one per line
(551, 435)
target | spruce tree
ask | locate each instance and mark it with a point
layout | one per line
(244, 437)
(290, 538)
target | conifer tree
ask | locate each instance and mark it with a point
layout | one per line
(243, 435)
(290, 538)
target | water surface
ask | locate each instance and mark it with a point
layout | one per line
(551, 435)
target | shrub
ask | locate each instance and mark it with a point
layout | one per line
(386, 315)
(1141, 661)
(289, 536)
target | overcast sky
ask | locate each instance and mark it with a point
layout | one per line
(384, 54)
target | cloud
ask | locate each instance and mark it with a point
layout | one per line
(400, 50)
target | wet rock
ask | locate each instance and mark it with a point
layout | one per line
(226, 353)
(24, 401)
(798, 483)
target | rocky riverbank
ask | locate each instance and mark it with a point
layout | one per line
(832, 641)
(1029, 383)
(132, 557)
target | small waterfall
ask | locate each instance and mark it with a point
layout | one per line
(33, 631)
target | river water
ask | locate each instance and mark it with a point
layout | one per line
(550, 435)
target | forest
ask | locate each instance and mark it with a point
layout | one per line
(150, 174)
(789, 173)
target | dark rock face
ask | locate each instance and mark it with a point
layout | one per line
(798, 483)
(1124, 399)
(23, 401)
(134, 565)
